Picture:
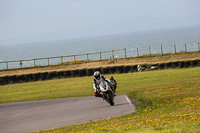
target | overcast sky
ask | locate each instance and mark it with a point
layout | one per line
(26, 21)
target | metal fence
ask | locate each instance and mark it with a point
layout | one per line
(62, 59)
(120, 53)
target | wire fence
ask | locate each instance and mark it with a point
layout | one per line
(113, 54)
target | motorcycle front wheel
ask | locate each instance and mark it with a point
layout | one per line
(110, 98)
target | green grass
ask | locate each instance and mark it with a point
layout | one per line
(77, 87)
(166, 100)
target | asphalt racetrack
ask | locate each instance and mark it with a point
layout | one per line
(23, 117)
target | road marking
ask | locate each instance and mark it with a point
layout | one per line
(128, 100)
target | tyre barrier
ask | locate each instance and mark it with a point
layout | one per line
(52, 75)
(127, 69)
(174, 64)
(105, 70)
(36, 76)
(12, 79)
(1, 81)
(44, 76)
(88, 72)
(97, 69)
(112, 69)
(161, 66)
(187, 64)
(133, 68)
(154, 67)
(5, 80)
(119, 69)
(67, 74)
(168, 65)
(194, 63)
(28, 77)
(59, 74)
(74, 73)
(20, 78)
(198, 62)
(181, 64)
(81, 72)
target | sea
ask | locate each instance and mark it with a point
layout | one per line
(143, 42)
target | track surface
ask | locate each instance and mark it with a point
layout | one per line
(22, 117)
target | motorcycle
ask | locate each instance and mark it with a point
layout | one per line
(107, 92)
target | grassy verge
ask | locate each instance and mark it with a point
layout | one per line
(166, 100)
(75, 87)
(143, 59)
(170, 107)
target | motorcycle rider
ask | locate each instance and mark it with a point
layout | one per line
(114, 83)
(98, 78)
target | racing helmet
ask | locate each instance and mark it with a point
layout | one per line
(111, 78)
(97, 75)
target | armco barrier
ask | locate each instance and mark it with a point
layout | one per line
(89, 72)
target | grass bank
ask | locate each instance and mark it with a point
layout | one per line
(77, 87)
(166, 101)
(143, 59)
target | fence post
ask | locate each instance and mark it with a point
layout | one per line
(161, 50)
(137, 52)
(20, 63)
(61, 60)
(185, 48)
(34, 62)
(113, 54)
(125, 52)
(150, 50)
(198, 47)
(175, 48)
(7, 64)
(87, 58)
(74, 58)
(48, 61)
(100, 55)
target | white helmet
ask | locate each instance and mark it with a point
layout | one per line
(97, 74)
